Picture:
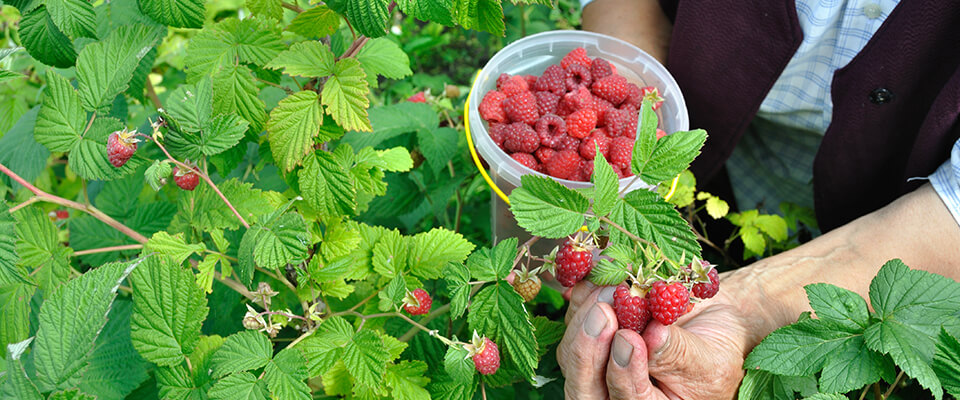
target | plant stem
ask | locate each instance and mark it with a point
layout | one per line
(893, 386)
(93, 211)
(152, 94)
(108, 249)
(301, 337)
(430, 317)
(89, 124)
(631, 235)
(292, 7)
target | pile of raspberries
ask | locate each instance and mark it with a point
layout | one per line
(555, 123)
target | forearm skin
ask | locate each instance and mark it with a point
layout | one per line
(640, 22)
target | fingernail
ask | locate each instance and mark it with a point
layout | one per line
(589, 284)
(606, 294)
(595, 321)
(622, 351)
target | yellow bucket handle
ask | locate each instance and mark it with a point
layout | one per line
(483, 172)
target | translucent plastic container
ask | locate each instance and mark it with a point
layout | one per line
(532, 55)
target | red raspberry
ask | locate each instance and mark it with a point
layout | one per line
(419, 97)
(626, 172)
(527, 160)
(187, 180)
(634, 97)
(486, 357)
(552, 80)
(520, 137)
(576, 56)
(577, 75)
(621, 152)
(527, 288)
(547, 102)
(531, 80)
(601, 106)
(621, 122)
(120, 147)
(612, 88)
(496, 133)
(577, 99)
(521, 107)
(513, 85)
(544, 153)
(653, 95)
(551, 129)
(587, 167)
(707, 290)
(588, 148)
(417, 302)
(574, 261)
(563, 165)
(600, 68)
(632, 309)
(491, 107)
(621, 172)
(568, 143)
(62, 214)
(502, 79)
(581, 123)
(661, 133)
(668, 301)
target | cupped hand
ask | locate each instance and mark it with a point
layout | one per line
(698, 357)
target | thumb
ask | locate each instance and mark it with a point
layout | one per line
(673, 351)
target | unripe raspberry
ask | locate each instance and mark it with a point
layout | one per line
(527, 288)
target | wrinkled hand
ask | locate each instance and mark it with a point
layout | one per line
(698, 357)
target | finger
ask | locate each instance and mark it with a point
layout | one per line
(676, 353)
(584, 295)
(627, 377)
(583, 352)
(511, 277)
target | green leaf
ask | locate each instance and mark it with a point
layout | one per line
(762, 385)
(282, 241)
(61, 120)
(407, 379)
(395, 159)
(753, 240)
(606, 186)
(39, 249)
(157, 174)
(242, 351)
(250, 40)
(801, 349)
(239, 386)
(15, 308)
(266, 8)
(493, 264)
(481, 15)
(8, 250)
(822, 396)
(114, 368)
(946, 363)
(293, 125)
(365, 358)
(234, 92)
(458, 365)
(173, 246)
(204, 210)
(434, 249)
(497, 311)
(428, 10)
(390, 254)
(394, 120)
(671, 155)
(44, 41)
(548, 332)
(544, 207)
(853, 367)
(838, 305)
(340, 239)
(69, 322)
(718, 208)
(608, 273)
(646, 214)
(316, 22)
(345, 95)
(72, 394)
(104, 68)
(437, 146)
(75, 18)
(168, 311)
(385, 58)
(285, 374)
(176, 383)
(189, 107)
(323, 349)
(392, 295)
(369, 17)
(457, 277)
(17, 384)
(326, 186)
(310, 59)
(773, 225)
(176, 13)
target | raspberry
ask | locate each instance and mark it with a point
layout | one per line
(621, 152)
(547, 102)
(707, 290)
(419, 97)
(587, 167)
(527, 288)
(632, 308)
(520, 137)
(577, 75)
(491, 107)
(600, 68)
(581, 123)
(552, 80)
(576, 56)
(626, 172)
(579, 175)
(544, 153)
(513, 85)
(496, 133)
(120, 147)
(550, 129)
(601, 106)
(577, 99)
(486, 356)
(568, 143)
(503, 78)
(653, 95)
(563, 165)
(612, 88)
(668, 301)
(621, 172)
(187, 180)
(521, 107)
(588, 148)
(417, 302)
(531, 80)
(621, 122)
(634, 97)
(527, 160)
(661, 133)
(574, 261)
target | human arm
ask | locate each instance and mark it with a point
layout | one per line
(640, 22)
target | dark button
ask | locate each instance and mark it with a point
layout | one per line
(881, 95)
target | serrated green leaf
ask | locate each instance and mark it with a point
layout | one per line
(646, 214)
(457, 277)
(234, 92)
(44, 41)
(9, 272)
(190, 107)
(365, 358)
(8, 76)
(392, 295)
(206, 268)
(428, 10)
(75, 18)
(385, 58)
(394, 120)
(176, 383)
(718, 208)
(251, 40)
(293, 125)
(316, 22)
(39, 249)
(61, 120)
(285, 374)
(176, 13)
(325, 348)
(608, 273)
(173, 246)
(606, 186)
(407, 379)
(853, 367)
(762, 385)
(104, 68)
(326, 186)
(438, 146)
(390, 254)
(266, 8)
(946, 363)
(773, 225)
(71, 394)
(88, 157)
(69, 322)
(340, 238)
(801, 349)
(395, 159)
(670, 155)
(443, 388)
(114, 368)
(17, 384)
(345, 95)
(548, 332)
(838, 305)
(493, 264)
(546, 208)
(245, 263)
(242, 351)
(310, 59)
(481, 15)
(157, 173)
(239, 386)
(15, 308)
(432, 250)
(281, 242)
(18, 149)
(168, 311)
(369, 17)
(497, 311)
(204, 210)
(823, 396)
(458, 365)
